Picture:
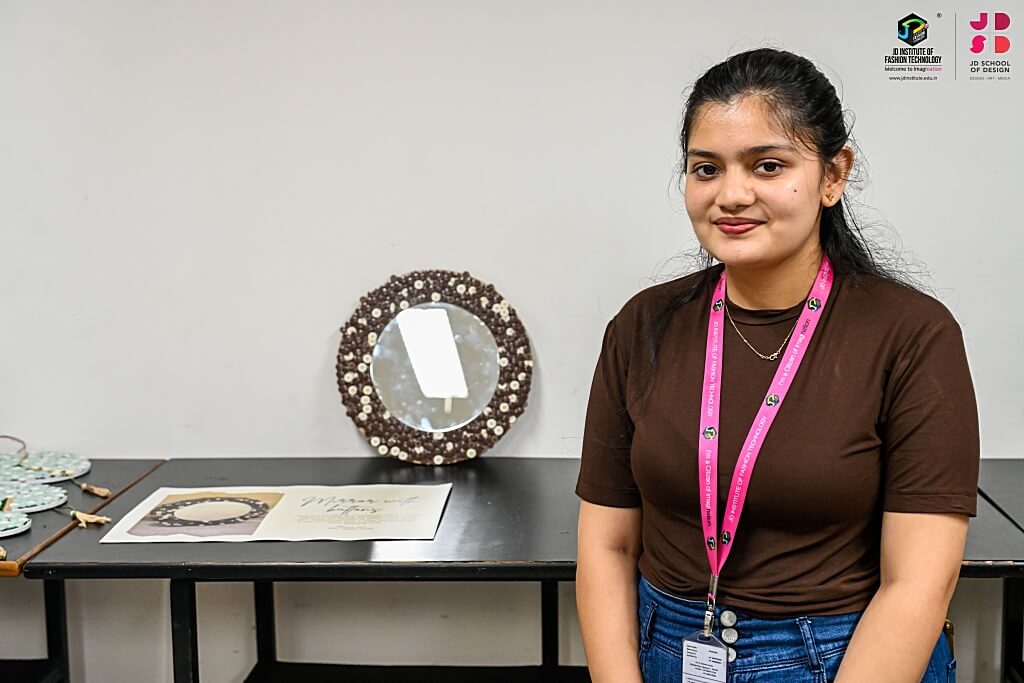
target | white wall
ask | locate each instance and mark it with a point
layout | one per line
(193, 195)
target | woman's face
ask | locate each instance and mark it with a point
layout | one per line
(754, 196)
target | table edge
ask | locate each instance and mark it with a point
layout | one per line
(63, 531)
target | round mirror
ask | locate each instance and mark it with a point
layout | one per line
(434, 367)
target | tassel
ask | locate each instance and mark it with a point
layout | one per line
(95, 490)
(84, 519)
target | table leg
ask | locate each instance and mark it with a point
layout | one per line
(1013, 630)
(56, 627)
(549, 628)
(266, 629)
(184, 639)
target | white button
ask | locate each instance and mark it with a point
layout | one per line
(730, 636)
(728, 618)
(732, 655)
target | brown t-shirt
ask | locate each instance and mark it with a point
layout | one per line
(881, 416)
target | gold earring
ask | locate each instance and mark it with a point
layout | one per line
(830, 196)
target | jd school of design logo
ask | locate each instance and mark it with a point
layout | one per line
(912, 29)
(710, 433)
(718, 305)
(813, 304)
(993, 39)
(772, 400)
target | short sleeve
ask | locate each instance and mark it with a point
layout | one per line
(606, 477)
(930, 432)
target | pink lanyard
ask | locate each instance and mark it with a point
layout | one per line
(711, 399)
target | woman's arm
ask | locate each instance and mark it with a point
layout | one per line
(606, 577)
(920, 557)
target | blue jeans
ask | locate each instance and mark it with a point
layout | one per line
(795, 650)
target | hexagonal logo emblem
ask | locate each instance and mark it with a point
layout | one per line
(912, 29)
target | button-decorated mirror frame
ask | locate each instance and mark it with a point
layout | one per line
(388, 435)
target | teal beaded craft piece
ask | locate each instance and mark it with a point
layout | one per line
(10, 471)
(59, 466)
(42, 467)
(12, 523)
(27, 497)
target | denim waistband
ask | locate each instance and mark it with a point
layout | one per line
(805, 648)
(807, 641)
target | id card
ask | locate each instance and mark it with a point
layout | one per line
(704, 659)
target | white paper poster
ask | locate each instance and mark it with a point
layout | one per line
(284, 513)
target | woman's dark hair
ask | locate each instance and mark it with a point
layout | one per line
(805, 105)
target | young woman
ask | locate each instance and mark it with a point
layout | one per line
(781, 450)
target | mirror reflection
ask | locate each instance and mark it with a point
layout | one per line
(435, 367)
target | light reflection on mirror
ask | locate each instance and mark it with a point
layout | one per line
(436, 369)
(430, 343)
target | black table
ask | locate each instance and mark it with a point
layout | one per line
(1002, 482)
(507, 519)
(47, 527)
(995, 545)
(1002, 486)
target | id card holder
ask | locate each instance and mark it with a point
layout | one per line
(704, 659)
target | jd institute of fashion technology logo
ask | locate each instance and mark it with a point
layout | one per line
(912, 29)
(909, 60)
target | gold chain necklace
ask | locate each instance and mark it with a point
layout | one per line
(760, 355)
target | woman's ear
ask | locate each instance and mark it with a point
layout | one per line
(836, 174)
